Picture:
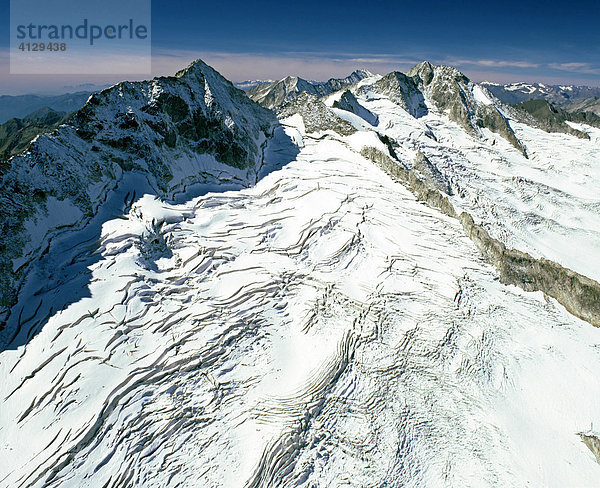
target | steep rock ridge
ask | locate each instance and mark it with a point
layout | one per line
(592, 441)
(275, 94)
(446, 90)
(430, 173)
(194, 127)
(402, 90)
(279, 92)
(315, 114)
(348, 102)
(454, 94)
(336, 84)
(579, 294)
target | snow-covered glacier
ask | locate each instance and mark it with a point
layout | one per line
(317, 324)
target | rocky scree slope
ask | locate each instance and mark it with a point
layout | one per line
(194, 127)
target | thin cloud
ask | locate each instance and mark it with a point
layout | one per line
(494, 63)
(585, 68)
(309, 65)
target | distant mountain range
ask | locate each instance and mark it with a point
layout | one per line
(248, 84)
(570, 97)
(21, 106)
(273, 94)
(16, 134)
(369, 281)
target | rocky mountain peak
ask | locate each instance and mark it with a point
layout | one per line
(423, 71)
(276, 94)
(159, 128)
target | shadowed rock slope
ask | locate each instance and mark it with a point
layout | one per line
(194, 127)
(553, 119)
(17, 134)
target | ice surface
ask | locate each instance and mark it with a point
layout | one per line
(321, 328)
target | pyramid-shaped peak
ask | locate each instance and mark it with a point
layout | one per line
(360, 73)
(197, 66)
(426, 72)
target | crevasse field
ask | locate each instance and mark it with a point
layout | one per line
(320, 328)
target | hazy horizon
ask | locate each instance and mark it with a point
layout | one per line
(514, 41)
(242, 67)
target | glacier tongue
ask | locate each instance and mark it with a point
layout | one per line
(322, 328)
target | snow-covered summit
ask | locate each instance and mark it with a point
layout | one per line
(194, 127)
(374, 287)
(565, 95)
(277, 93)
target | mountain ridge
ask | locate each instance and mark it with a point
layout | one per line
(212, 293)
(195, 116)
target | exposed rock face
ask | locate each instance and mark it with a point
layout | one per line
(275, 94)
(316, 115)
(553, 119)
(144, 127)
(349, 103)
(335, 84)
(403, 91)
(441, 87)
(428, 172)
(279, 92)
(423, 189)
(579, 294)
(593, 443)
(453, 93)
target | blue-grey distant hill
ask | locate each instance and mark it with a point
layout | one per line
(20, 106)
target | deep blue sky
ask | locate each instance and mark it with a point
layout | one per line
(488, 29)
(551, 41)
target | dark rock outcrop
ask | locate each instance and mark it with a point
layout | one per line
(593, 444)
(133, 126)
(349, 103)
(452, 93)
(579, 294)
(316, 115)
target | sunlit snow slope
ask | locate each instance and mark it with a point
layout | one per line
(322, 328)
